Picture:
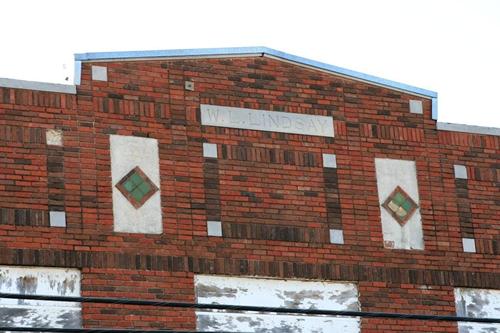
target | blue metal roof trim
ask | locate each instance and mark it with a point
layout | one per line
(261, 50)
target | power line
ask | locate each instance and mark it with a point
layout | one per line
(99, 330)
(187, 305)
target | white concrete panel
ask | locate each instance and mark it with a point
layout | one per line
(271, 121)
(390, 174)
(214, 228)
(127, 152)
(460, 171)
(54, 137)
(477, 303)
(336, 236)
(57, 219)
(416, 106)
(292, 294)
(39, 281)
(329, 161)
(209, 150)
(469, 245)
(99, 73)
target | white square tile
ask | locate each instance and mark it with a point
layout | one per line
(460, 171)
(99, 73)
(214, 228)
(469, 245)
(57, 219)
(336, 236)
(329, 161)
(54, 137)
(416, 106)
(209, 150)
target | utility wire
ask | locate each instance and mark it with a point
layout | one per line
(186, 305)
(99, 330)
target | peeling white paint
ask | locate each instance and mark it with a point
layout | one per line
(390, 174)
(275, 293)
(477, 303)
(127, 152)
(39, 281)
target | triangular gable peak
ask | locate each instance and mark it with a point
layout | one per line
(253, 51)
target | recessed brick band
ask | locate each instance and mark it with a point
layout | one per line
(55, 177)
(276, 233)
(270, 155)
(280, 269)
(464, 209)
(24, 217)
(211, 185)
(332, 198)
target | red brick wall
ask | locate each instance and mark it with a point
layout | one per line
(269, 189)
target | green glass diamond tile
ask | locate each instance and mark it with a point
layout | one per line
(407, 205)
(400, 205)
(136, 187)
(136, 179)
(129, 185)
(144, 187)
(137, 194)
(398, 199)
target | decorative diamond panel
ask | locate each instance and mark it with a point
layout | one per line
(400, 205)
(136, 187)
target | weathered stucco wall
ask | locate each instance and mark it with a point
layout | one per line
(275, 293)
(478, 303)
(39, 281)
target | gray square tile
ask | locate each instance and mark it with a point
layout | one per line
(336, 236)
(460, 171)
(329, 161)
(209, 150)
(469, 245)
(99, 73)
(416, 106)
(214, 228)
(57, 219)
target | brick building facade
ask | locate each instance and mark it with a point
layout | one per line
(243, 176)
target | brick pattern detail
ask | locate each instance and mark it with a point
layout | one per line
(279, 269)
(276, 233)
(55, 178)
(24, 217)
(464, 209)
(211, 184)
(332, 198)
(270, 155)
(22, 135)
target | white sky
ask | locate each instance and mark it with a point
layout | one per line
(449, 46)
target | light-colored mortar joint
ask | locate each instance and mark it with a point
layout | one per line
(189, 85)
(469, 245)
(99, 73)
(336, 236)
(209, 150)
(460, 171)
(54, 137)
(214, 228)
(57, 219)
(416, 106)
(329, 161)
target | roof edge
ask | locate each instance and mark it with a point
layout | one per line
(263, 51)
(468, 128)
(37, 85)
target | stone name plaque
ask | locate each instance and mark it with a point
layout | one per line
(270, 121)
